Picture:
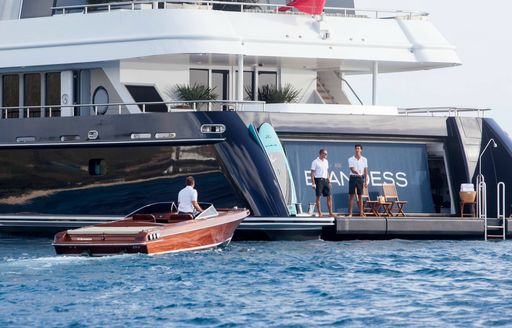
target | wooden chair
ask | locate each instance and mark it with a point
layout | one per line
(370, 207)
(391, 195)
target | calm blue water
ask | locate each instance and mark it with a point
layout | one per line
(261, 284)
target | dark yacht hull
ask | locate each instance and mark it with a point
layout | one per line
(61, 173)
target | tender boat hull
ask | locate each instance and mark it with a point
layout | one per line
(140, 236)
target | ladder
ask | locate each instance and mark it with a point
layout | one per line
(496, 230)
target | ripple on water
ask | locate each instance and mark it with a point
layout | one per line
(261, 284)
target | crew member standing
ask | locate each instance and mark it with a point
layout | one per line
(320, 181)
(358, 178)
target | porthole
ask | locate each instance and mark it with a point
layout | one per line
(100, 99)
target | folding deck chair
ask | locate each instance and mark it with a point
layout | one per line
(370, 207)
(390, 194)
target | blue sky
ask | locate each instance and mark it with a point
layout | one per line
(482, 33)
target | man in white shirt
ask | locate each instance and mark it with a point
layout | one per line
(187, 198)
(358, 178)
(320, 181)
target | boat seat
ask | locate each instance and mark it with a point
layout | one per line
(175, 218)
(144, 217)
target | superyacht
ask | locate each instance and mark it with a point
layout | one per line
(107, 105)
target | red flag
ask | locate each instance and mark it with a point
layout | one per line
(313, 7)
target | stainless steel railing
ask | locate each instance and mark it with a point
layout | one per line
(194, 105)
(234, 6)
(443, 111)
(127, 108)
(500, 208)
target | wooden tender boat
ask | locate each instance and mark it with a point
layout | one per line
(153, 229)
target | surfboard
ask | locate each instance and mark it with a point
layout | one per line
(275, 152)
(254, 133)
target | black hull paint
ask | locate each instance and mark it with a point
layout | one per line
(52, 177)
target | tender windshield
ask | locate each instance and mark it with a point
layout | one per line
(209, 211)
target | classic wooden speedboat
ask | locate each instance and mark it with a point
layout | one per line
(153, 229)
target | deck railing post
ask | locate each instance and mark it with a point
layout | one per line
(500, 207)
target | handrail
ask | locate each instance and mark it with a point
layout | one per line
(446, 110)
(244, 6)
(193, 105)
(500, 205)
(181, 105)
(482, 202)
(338, 74)
(501, 200)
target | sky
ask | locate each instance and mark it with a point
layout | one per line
(482, 33)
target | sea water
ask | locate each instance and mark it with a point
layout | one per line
(261, 284)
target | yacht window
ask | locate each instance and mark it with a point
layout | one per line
(32, 94)
(11, 94)
(36, 8)
(220, 80)
(248, 85)
(199, 76)
(267, 78)
(97, 166)
(52, 94)
(100, 97)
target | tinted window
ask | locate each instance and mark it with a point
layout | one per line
(11, 93)
(53, 93)
(32, 93)
(199, 76)
(267, 78)
(36, 8)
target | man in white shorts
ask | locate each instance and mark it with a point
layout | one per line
(320, 181)
(187, 198)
